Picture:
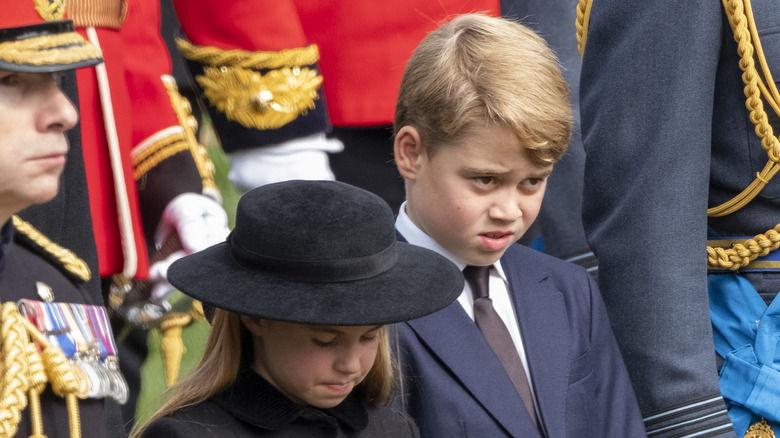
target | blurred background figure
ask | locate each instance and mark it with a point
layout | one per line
(680, 117)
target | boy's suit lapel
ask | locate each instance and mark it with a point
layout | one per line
(541, 312)
(486, 381)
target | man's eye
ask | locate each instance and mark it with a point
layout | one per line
(9, 79)
(485, 180)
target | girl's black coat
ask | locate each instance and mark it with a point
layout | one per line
(252, 407)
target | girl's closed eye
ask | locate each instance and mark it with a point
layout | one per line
(367, 339)
(325, 343)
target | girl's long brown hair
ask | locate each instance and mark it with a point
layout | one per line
(222, 358)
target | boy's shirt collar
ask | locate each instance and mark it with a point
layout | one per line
(414, 235)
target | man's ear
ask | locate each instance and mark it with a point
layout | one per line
(408, 151)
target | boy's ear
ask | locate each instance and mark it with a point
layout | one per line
(408, 150)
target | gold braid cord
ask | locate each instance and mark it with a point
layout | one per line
(69, 260)
(65, 48)
(583, 20)
(741, 254)
(24, 373)
(232, 83)
(199, 153)
(740, 16)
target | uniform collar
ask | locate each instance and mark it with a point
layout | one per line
(6, 240)
(255, 401)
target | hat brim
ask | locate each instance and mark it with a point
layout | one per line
(421, 283)
(46, 48)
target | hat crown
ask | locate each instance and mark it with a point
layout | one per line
(318, 252)
(307, 221)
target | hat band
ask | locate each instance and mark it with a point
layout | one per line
(317, 271)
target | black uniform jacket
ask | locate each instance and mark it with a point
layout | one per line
(23, 264)
(252, 407)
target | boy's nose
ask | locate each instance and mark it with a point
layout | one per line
(506, 207)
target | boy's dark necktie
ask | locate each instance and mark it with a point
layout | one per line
(496, 333)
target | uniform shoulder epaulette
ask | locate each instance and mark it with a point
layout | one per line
(64, 259)
(582, 23)
(260, 90)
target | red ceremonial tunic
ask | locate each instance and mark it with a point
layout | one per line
(136, 59)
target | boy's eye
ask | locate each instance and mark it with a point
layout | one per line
(532, 181)
(485, 180)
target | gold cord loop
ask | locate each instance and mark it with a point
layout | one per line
(24, 373)
(742, 253)
(740, 15)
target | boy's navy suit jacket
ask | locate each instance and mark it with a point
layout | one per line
(455, 386)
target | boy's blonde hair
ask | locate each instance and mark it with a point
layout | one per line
(479, 70)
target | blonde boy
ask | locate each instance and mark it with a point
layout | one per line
(481, 118)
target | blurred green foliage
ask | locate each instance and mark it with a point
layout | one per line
(194, 335)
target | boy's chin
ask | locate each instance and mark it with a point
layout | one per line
(484, 259)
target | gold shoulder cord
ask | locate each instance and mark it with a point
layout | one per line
(24, 372)
(69, 260)
(583, 20)
(740, 15)
(199, 153)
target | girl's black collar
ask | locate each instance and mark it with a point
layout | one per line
(255, 401)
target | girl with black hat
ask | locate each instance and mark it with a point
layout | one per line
(302, 290)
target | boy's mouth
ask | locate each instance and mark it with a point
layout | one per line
(496, 240)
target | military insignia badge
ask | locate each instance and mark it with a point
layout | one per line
(760, 430)
(50, 10)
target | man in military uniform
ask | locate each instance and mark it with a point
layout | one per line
(680, 111)
(46, 388)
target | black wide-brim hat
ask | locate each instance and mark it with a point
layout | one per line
(45, 48)
(318, 252)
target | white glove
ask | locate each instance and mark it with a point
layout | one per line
(300, 158)
(199, 221)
